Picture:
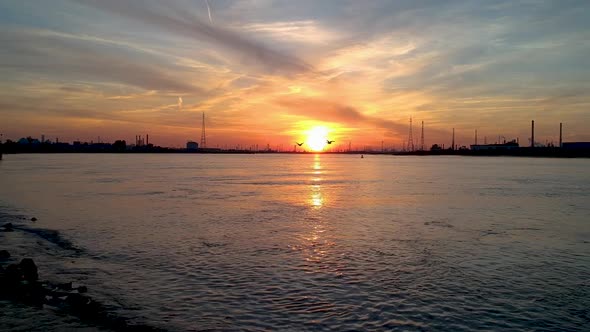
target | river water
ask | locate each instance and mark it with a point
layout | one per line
(308, 242)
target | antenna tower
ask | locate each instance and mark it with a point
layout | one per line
(410, 138)
(422, 138)
(203, 136)
(560, 134)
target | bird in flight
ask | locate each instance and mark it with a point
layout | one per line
(299, 144)
(329, 142)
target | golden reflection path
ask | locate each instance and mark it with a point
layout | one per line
(317, 199)
(316, 242)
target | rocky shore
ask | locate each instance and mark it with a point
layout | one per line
(20, 283)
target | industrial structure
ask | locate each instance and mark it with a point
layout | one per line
(513, 145)
(410, 138)
(203, 135)
(422, 138)
(192, 146)
(532, 133)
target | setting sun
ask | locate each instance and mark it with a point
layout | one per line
(316, 138)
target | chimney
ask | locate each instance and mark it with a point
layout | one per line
(560, 134)
(532, 133)
(147, 139)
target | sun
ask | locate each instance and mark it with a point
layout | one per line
(316, 138)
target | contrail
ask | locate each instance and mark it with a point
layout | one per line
(179, 103)
(209, 11)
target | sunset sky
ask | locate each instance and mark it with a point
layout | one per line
(267, 71)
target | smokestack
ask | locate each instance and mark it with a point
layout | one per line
(532, 133)
(453, 146)
(560, 134)
(147, 139)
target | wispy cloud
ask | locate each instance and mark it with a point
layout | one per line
(243, 49)
(335, 112)
(307, 31)
(66, 56)
(209, 11)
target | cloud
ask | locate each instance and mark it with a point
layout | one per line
(330, 111)
(246, 50)
(209, 11)
(368, 65)
(307, 31)
(69, 56)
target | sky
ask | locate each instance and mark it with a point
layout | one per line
(268, 72)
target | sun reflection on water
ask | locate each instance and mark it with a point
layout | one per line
(317, 199)
(317, 243)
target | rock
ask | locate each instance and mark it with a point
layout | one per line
(33, 219)
(82, 289)
(58, 294)
(13, 274)
(7, 227)
(84, 306)
(32, 293)
(29, 270)
(65, 286)
(77, 300)
(4, 254)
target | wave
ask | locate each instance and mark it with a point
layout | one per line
(51, 236)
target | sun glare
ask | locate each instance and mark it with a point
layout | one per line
(316, 138)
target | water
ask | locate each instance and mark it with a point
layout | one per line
(311, 242)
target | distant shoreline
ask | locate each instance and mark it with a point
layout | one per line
(539, 152)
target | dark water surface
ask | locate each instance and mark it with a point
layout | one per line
(308, 242)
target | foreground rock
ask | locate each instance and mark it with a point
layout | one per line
(4, 255)
(20, 283)
(7, 228)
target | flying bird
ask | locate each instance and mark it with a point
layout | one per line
(299, 144)
(329, 142)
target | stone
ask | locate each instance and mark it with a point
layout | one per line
(77, 300)
(82, 289)
(65, 286)
(29, 270)
(13, 274)
(4, 254)
(7, 227)
(84, 306)
(33, 219)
